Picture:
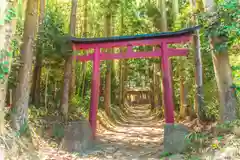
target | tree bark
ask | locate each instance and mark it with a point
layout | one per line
(73, 80)
(121, 64)
(85, 34)
(114, 67)
(20, 105)
(38, 65)
(223, 75)
(175, 8)
(198, 98)
(107, 93)
(36, 81)
(183, 93)
(121, 82)
(84, 71)
(66, 86)
(68, 65)
(152, 85)
(164, 28)
(164, 25)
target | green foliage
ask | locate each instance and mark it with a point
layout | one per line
(24, 129)
(196, 140)
(11, 13)
(109, 7)
(223, 23)
(6, 53)
(228, 126)
(80, 105)
(52, 39)
(36, 113)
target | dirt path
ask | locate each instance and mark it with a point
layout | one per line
(139, 138)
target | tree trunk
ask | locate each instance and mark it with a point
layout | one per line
(182, 107)
(68, 65)
(198, 67)
(85, 30)
(152, 85)
(38, 65)
(183, 94)
(125, 76)
(84, 70)
(73, 77)
(113, 68)
(55, 91)
(72, 91)
(66, 86)
(175, 8)
(163, 27)
(36, 81)
(158, 100)
(46, 89)
(107, 93)
(223, 75)
(121, 82)
(20, 114)
(121, 64)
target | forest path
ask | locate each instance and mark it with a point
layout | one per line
(139, 137)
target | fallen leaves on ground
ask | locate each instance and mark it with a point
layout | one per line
(140, 137)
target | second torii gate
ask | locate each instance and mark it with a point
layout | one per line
(162, 39)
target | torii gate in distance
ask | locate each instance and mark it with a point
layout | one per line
(162, 39)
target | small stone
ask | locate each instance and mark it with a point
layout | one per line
(236, 131)
(109, 157)
(175, 138)
(176, 157)
(78, 137)
(231, 151)
(117, 154)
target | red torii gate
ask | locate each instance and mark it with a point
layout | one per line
(162, 39)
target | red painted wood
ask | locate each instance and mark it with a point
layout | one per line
(171, 40)
(167, 86)
(130, 55)
(172, 52)
(110, 56)
(164, 52)
(95, 91)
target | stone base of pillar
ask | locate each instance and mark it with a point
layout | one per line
(175, 138)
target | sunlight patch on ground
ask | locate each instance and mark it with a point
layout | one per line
(138, 137)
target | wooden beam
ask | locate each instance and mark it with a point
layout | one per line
(171, 52)
(130, 55)
(111, 56)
